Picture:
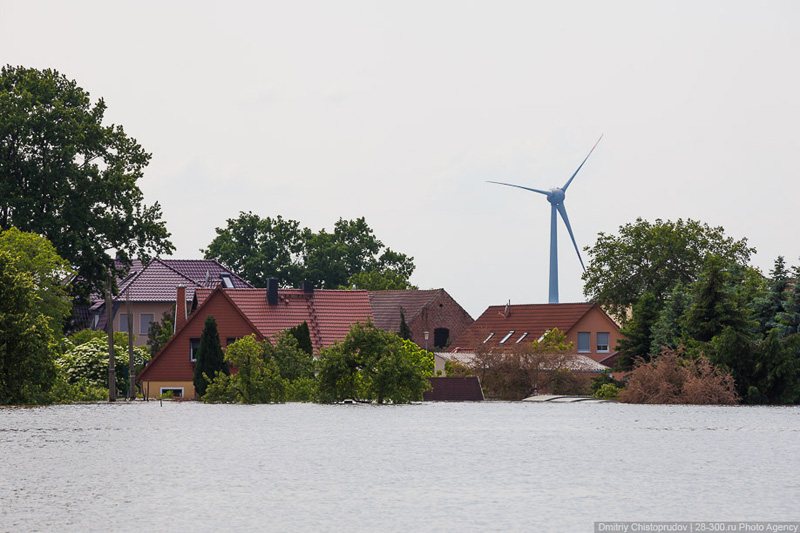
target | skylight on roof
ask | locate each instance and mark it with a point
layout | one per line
(504, 339)
(522, 337)
(227, 282)
(488, 337)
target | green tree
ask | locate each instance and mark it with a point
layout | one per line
(256, 381)
(303, 336)
(376, 280)
(405, 331)
(669, 330)
(37, 256)
(260, 248)
(653, 257)
(292, 361)
(374, 365)
(637, 333)
(160, 332)
(65, 175)
(771, 304)
(737, 352)
(209, 360)
(789, 318)
(27, 370)
(715, 302)
(349, 256)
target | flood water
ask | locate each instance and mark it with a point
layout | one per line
(455, 467)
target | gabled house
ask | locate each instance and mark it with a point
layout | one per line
(241, 312)
(433, 316)
(149, 291)
(501, 327)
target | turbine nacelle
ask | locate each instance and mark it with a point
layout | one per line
(556, 196)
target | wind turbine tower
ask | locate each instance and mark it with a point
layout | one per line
(556, 197)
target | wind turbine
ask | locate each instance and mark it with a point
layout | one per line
(556, 198)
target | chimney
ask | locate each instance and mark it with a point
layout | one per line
(272, 291)
(180, 308)
(307, 286)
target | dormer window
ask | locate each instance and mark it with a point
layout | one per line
(227, 282)
(508, 335)
(488, 337)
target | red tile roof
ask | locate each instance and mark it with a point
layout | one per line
(386, 305)
(533, 319)
(329, 313)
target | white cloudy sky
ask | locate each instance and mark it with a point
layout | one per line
(398, 111)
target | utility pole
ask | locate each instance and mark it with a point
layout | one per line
(112, 376)
(131, 361)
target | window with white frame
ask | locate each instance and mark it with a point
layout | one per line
(489, 336)
(521, 337)
(227, 282)
(602, 341)
(584, 342)
(194, 345)
(508, 336)
(144, 323)
(175, 392)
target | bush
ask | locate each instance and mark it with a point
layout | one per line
(302, 390)
(670, 379)
(256, 381)
(88, 362)
(607, 391)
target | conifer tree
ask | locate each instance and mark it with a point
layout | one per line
(405, 331)
(670, 328)
(789, 318)
(715, 304)
(303, 336)
(209, 359)
(771, 305)
(637, 333)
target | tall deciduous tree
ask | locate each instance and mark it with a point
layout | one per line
(209, 360)
(261, 248)
(654, 257)
(67, 176)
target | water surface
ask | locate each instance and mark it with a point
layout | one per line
(455, 467)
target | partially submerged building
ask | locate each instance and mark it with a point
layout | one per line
(243, 311)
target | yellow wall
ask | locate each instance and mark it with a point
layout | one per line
(157, 309)
(152, 389)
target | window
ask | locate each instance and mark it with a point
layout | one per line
(144, 323)
(602, 341)
(194, 344)
(522, 337)
(440, 337)
(177, 392)
(508, 335)
(123, 323)
(488, 337)
(231, 340)
(227, 282)
(584, 342)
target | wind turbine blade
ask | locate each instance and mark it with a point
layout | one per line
(520, 187)
(564, 188)
(563, 212)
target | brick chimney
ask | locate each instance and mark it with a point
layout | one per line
(180, 308)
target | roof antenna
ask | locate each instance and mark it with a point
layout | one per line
(507, 310)
(208, 278)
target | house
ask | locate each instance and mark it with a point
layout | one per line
(501, 327)
(433, 316)
(149, 289)
(244, 311)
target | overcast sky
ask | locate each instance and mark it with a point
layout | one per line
(399, 112)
